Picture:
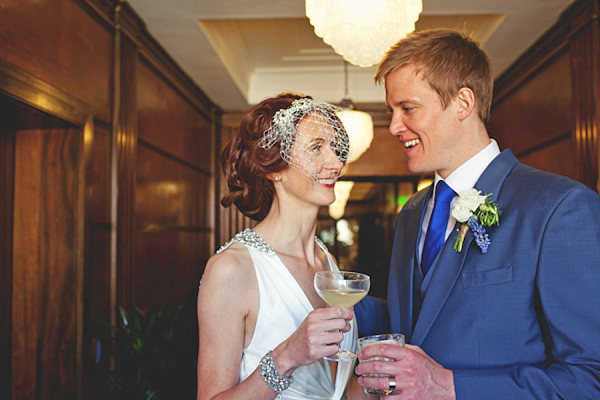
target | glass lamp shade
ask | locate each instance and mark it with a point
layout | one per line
(361, 31)
(342, 191)
(359, 126)
(336, 210)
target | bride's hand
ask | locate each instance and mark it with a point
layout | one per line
(318, 336)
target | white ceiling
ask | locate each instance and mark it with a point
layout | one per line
(242, 51)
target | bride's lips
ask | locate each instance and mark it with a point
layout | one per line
(328, 182)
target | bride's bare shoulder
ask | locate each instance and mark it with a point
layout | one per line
(234, 264)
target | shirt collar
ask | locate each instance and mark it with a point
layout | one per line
(464, 177)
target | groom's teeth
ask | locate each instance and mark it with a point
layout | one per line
(411, 143)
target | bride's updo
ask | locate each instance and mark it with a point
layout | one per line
(246, 165)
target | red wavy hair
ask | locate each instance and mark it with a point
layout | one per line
(246, 165)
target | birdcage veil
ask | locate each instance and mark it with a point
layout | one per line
(321, 130)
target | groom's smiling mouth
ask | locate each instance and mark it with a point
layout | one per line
(411, 143)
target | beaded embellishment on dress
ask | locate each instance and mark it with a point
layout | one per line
(249, 238)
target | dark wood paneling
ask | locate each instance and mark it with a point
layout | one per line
(71, 59)
(97, 282)
(97, 244)
(45, 270)
(169, 122)
(126, 147)
(55, 41)
(552, 92)
(558, 157)
(39, 100)
(98, 279)
(97, 355)
(56, 189)
(585, 62)
(152, 53)
(173, 198)
(98, 178)
(168, 265)
(169, 193)
(7, 149)
(537, 111)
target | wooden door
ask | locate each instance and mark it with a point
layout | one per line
(41, 269)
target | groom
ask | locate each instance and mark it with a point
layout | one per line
(517, 317)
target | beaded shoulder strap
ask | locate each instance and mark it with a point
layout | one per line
(249, 238)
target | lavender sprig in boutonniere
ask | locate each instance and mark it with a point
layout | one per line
(475, 211)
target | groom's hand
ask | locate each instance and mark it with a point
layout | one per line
(417, 375)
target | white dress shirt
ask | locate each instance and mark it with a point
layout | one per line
(460, 180)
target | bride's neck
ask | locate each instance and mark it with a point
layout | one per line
(291, 233)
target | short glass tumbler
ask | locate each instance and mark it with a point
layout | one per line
(391, 338)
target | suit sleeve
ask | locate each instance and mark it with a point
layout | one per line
(568, 309)
(372, 316)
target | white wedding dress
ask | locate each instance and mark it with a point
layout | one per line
(283, 307)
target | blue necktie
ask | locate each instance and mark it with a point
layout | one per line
(436, 231)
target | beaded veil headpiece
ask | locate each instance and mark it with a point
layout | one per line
(322, 134)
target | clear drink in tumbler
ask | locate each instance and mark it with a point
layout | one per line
(391, 338)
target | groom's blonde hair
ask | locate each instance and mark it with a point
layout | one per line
(448, 61)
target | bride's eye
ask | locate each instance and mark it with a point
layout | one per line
(316, 146)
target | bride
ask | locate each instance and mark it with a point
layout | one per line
(263, 330)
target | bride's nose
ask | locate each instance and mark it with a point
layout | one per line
(333, 161)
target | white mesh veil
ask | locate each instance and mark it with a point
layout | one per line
(311, 136)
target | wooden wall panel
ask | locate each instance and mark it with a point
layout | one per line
(59, 42)
(98, 281)
(537, 111)
(72, 59)
(585, 61)
(98, 177)
(168, 122)
(546, 105)
(169, 266)
(173, 200)
(98, 227)
(557, 157)
(169, 193)
(46, 238)
(97, 304)
(7, 149)
(172, 227)
(124, 139)
(45, 275)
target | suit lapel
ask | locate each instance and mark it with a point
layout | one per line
(450, 263)
(493, 177)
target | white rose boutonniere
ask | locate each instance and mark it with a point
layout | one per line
(476, 211)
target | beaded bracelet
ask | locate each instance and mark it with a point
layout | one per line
(272, 377)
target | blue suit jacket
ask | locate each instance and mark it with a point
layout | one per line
(523, 320)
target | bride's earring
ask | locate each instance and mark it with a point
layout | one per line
(277, 178)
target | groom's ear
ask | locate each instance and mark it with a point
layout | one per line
(465, 99)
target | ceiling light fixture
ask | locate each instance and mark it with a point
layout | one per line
(358, 124)
(342, 191)
(362, 31)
